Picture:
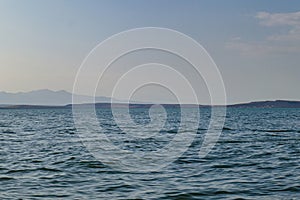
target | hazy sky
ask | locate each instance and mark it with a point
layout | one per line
(255, 43)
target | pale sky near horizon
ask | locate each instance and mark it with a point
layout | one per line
(255, 43)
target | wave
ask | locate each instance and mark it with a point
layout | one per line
(8, 131)
(227, 129)
(6, 178)
(277, 130)
(30, 170)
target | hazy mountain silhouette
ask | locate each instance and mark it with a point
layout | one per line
(63, 98)
(46, 97)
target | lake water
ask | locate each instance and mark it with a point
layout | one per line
(256, 157)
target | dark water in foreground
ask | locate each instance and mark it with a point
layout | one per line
(256, 157)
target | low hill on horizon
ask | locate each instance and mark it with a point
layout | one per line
(269, 104)
(256, 104)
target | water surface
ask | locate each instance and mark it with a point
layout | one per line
(256, 157)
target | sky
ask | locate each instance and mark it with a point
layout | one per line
(254, 43)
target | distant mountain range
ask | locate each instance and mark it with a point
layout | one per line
(63, 99)
(45, 97)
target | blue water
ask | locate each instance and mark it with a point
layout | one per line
(256, 157)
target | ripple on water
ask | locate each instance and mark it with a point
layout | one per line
(9, 131)
(257, 157)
